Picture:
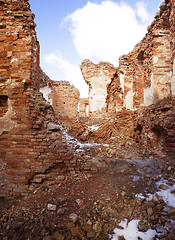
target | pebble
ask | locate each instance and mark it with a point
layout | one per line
(51, 207)
(61, 211)
(58, 236)
(73, 217)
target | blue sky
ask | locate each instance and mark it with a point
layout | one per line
(101, 30)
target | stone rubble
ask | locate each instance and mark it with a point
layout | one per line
(69, 175)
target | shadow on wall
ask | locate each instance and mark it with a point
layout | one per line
(160, 135)
(3, 105)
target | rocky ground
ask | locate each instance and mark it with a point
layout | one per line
(91, 204)
(114, 185)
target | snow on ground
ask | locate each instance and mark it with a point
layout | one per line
(93, 128)
(166, 194)
(131, 232)
(76, 143)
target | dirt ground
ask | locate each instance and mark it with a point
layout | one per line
(98, 200)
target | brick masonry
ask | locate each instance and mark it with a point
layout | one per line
(145, 76)
(28, 146)
(140, 93)
(63, 97)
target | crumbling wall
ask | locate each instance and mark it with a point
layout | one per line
(83, 108)
(172, 46)
(145, 76)
(98, 77)
(31, 142)
(63, 97)
(115, 95)
(154, 128)
(147, 69)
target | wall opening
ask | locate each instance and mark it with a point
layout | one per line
(160, 135)
(3, 105)
(138, 129)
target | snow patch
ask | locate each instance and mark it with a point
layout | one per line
(131, 232)
(75, 142)
(166, 194)
(168, 197)
(93, 128)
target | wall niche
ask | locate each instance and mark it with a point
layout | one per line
(3, 105)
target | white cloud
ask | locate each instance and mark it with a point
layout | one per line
(103, 32)
(100, 32)
(64, 70)
(142, 12)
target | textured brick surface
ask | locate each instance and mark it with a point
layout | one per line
(145, 76)
(27, 147)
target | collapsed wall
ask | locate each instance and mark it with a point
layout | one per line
(63, 97)
(31, 143)
(97, 76)
(154, 128)
(143, 86)
(145, 76)
(147, 69)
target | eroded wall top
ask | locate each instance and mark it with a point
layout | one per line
(145, 76)
(97, 76)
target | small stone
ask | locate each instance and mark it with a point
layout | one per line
(61, 211)
(90, 234)
(163, 187)
(150, 211)
(53, 127)
(121, 238)
(79, 202)
(58, 236)
(47, 238)
(75, 231)
(51, 207)
(169, 168)
(143, 227)
(35, 133)
(88, 227)
(73, 217)
(70, 225)
(97, 227)
(171, 212)
(123, 193)
(173, 191)
(155, 197)
(43, 104)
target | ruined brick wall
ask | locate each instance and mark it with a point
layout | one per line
(98, 77)
(172, 46)
(154, 128)
(145, 76)
(30, 142)
(146, 70)
(65, 99)
(83, 108)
